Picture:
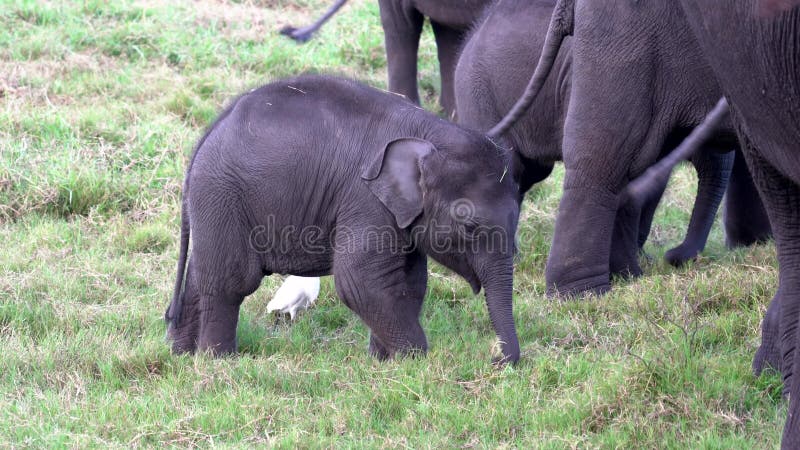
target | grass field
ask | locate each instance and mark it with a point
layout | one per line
(101, 103)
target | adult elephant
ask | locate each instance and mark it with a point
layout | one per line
(511, 36)
(753, 48)
(402, 22)
(635, 86)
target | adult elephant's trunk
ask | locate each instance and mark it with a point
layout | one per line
(561, 25)
(498, 285)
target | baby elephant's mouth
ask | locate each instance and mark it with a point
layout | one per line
(474, 282)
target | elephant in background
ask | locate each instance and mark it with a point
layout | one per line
(750, 48)
(511, 36)
(623, 113)
(753, 48)
(383, 185)
(402, 22)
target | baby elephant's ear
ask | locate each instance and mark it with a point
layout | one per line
(394, 177)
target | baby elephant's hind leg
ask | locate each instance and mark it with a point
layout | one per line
(219, 316)
(207, 321)
(224, 271)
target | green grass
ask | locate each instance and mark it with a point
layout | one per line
(100, 106)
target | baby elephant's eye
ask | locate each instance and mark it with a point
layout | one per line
(470, 227)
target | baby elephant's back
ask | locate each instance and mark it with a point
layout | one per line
(293, 133)
(285, 154)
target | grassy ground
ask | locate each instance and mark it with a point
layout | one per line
(100, 105)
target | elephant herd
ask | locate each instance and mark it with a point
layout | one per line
(609, 87)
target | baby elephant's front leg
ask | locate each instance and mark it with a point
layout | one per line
(388, 301)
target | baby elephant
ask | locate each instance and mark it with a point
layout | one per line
(318, 175)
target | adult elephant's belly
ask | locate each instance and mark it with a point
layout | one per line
(454, 13)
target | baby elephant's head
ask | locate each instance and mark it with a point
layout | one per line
(459, 203)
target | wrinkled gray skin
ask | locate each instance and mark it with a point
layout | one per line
(511, 36)
(633, 95)
(753, 48)
(375, 188)
(402, 25)
(745, 218)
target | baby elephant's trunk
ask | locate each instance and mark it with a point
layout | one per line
(498, 285)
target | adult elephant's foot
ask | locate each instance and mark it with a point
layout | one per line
(791, 431)
(625, 268)
(566, 287)
(579, 256)
(768, 354)
(681, 254)
(740, 237)
(295, 293)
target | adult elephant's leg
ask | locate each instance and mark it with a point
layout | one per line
(647, 214)
(624, 259)
(713, 171)
(745, 218)
(603, 133)
(781, 199)
(579, 255)
(448, 44)
(402, 26)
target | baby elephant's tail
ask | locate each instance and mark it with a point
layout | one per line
(173, 313)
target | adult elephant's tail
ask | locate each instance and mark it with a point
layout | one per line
(647, 184)
(562, 24)
(304, 34)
